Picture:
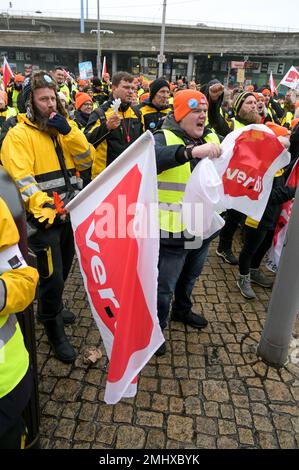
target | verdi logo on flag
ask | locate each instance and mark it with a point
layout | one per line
(291, 79)
(250, 158)
(115, 222)
(111, 274)
(249, 163)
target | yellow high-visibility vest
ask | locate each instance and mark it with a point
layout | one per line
(171, 187)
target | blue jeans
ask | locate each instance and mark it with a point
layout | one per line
(178, 270)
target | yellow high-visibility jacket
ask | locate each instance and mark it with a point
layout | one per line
(30, 157)
(17, 290)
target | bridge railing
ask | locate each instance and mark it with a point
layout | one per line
(75, 14)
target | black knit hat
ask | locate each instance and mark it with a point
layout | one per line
(26, 89)
(96, 82)
(156, 85)
(239, 100)
(38, 80)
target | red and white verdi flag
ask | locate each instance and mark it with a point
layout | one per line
(116, 229)
(274, 252)
(291, 79)
(251, 157)
(240, 179)
(272, 84)
(6, 73)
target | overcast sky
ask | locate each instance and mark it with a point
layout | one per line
(278, 13)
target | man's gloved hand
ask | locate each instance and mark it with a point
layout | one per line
(46, 213)
(59, 123)
(47, 216)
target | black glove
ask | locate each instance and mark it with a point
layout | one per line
(60, 123)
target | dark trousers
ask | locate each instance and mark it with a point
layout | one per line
(178, 270)
(12, 405)
(232, 220)
(54, 250)
(257, 241)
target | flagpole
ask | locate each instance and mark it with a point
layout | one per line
(161, 55)
(99, 64)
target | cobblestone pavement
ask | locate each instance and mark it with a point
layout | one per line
(209, 391)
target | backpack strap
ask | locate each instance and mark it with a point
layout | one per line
(101, 113)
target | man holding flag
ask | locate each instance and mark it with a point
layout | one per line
(42, 152)
(180, 144)
(258, 235)
(245, 109)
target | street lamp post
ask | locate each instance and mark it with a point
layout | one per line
(161, 58)
(99, 64)
(82, 18)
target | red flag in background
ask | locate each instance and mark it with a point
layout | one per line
(272, 85)
(281, 229)
(291, 79)
(104, 69)
(7, 73)
(293, 178)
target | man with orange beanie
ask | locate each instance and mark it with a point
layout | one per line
(182, 141)
(274, 110)
(84, 106)
(15, 90)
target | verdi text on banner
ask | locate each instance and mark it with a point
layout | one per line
(116, 230)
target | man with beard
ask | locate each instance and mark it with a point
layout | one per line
(42, 152)
(274, 110)
(245, 109)
(112, 132)
(156, 108)
(261, 108)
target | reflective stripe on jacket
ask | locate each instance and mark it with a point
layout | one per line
(35, 165)
(17, 289)
(171, 187)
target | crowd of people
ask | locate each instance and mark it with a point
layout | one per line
(58, 133)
